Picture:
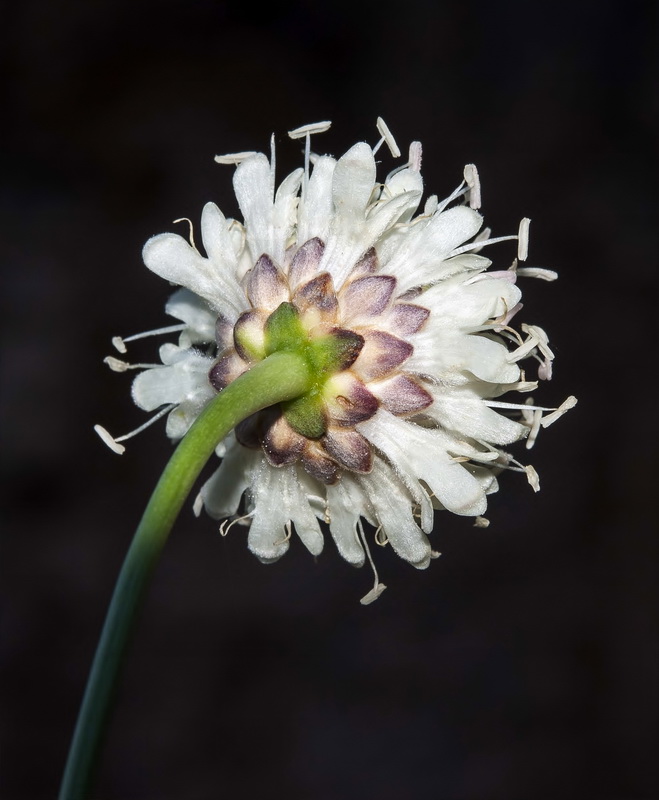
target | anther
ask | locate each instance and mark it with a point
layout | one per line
(565, 406)
(474, 184)
(387, 137)
(109, 440)
(414, 156)
(117, 365)
(114, 443)
(119, 342)
(235, 158)
(378, 587)
(310, 129)
(523, 239)
(538, 272)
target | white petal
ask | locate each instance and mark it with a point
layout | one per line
(217, 240)
(419, 260)
(352, 185)
(345, 501)
(171, 257)
(315, 211)
(222, 491)
(254, 190)
(470, 417)
(444, 356)
(284, 213)
(353, 182)
(393, 508)
(406, 180)
(192, 310)
(469, 305)
(278, 499)
(419, 453)
(185, 380)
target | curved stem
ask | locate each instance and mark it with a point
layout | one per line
(281, 376)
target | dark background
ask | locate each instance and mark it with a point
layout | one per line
(522, 664)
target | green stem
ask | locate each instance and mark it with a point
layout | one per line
(281, 376)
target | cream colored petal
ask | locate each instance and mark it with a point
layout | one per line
(172, 258)
(315, 209)
(420, 454)
(470, 417)
(345, 501)
(393, 507)
(254, 187)
(223, 490)
(186, 379)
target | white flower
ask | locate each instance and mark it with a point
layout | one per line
(404, 417)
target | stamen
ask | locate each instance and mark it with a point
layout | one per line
(109, 440)
(538, 272)
(310, 129)
(481, 522)
(523, 239)
(518, 406)
(224, 528)
(191, 231)
(414, 156)
(380, 537)
(535, 428)
(514, 466)
(565, 406)
(273, 164)
(235, 158)
(289, 533)
(387, 137)
(474, 184)
(479, 244)
(378, 587)
(532, 477)
(113, 443)
(117, 365)
(457, 192)
(120, 342)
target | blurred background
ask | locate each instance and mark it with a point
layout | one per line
(522, 664)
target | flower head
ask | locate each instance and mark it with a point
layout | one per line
(408, 334)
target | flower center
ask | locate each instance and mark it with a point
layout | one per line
(296, 308)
